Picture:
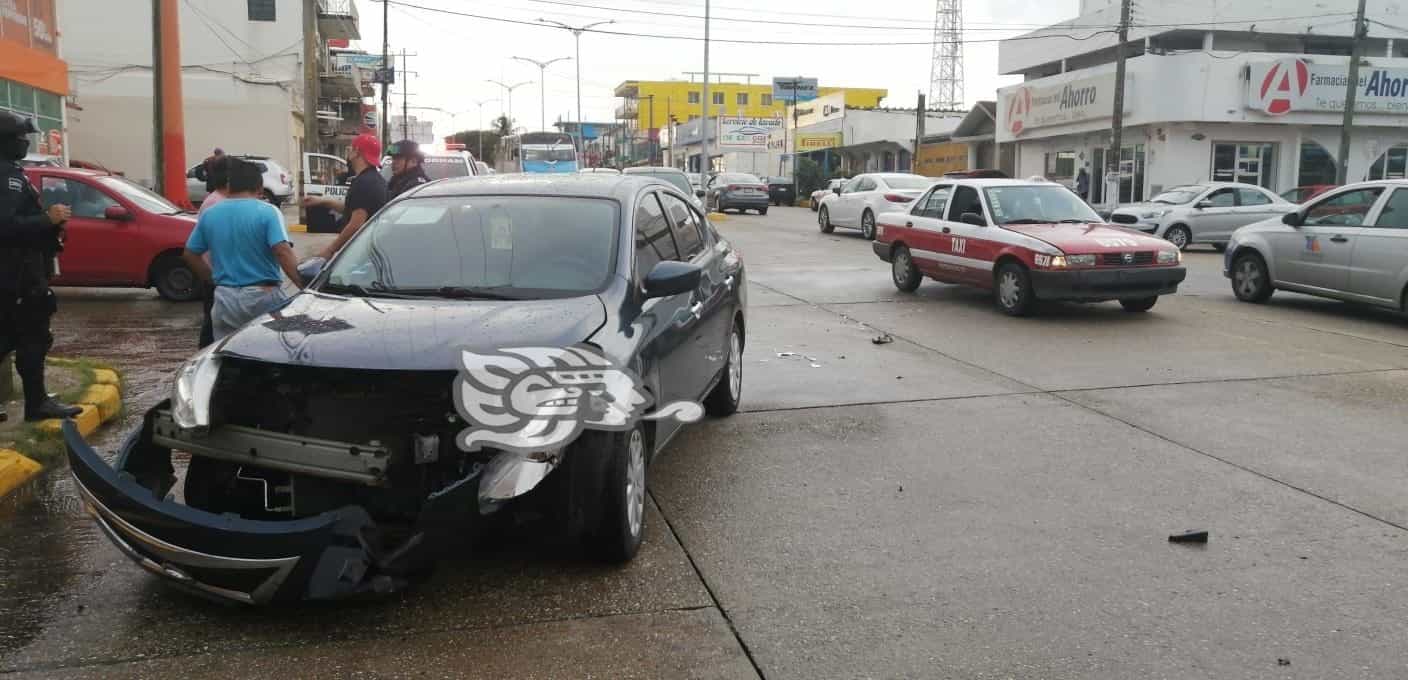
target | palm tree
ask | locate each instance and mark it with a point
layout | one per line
(503, 126)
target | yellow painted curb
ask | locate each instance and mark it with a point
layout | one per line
(88, 421)
(718, 217)
(15, 469)
(106, 376)
(106, 397)
(298, 228)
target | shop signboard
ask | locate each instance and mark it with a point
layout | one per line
(816, 142)
(1029, 106)
(793, 89)
(1276, 88)
(745, 133)
(933, 160)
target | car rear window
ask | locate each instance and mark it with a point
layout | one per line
(907, 181)
(739, 178)
(440, 167)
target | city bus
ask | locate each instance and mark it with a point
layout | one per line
(541, 152)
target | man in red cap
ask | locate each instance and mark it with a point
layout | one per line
(365, 196)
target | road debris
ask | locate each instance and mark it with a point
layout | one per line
(882, 339)
(1189, 537)
(1283, 662)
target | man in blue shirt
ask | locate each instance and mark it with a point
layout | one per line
(248, 245)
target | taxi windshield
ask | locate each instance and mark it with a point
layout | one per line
(1037, 204)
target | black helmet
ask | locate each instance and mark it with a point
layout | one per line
(406, 148)
(15, 125)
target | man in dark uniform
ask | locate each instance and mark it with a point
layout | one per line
(30, 240)
(407, 168)
(365, 196)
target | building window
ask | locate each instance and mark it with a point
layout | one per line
(261, 10)
(1241, 162)
(742, 99)
(1317, 167)
(718, 98)
(767, 100)
(694, 97)
(1392, 165)
(1061, 164)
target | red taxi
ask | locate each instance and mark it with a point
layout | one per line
(120, 235)
(1025, 241)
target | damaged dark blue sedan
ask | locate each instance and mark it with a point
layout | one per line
(341, 444)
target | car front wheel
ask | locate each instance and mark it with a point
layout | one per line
(1012, 290)
(902, 270)
(621, 525)
(823, 219)
(1250, 280)
(1179, 236)
(867, 225)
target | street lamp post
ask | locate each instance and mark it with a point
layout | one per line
(542, 87)
(577, 38)
(508, 95)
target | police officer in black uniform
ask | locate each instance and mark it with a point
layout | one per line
(407, 171)
(30, 241)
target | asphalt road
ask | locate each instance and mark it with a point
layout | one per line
(984, 497)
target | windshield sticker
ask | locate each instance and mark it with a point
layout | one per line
(534, 399)
(500, 231)
(995, 201)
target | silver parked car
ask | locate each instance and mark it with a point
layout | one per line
(1350, 243)
(1202, 213)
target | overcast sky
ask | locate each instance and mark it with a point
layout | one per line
(455, 54)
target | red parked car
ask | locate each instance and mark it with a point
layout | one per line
(121, 234)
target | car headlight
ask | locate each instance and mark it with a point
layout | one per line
(1154, 214)
(190, 396)
(1170, 257)
(1080, 260)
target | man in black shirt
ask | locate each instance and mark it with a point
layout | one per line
(365, 196)
(407, 168)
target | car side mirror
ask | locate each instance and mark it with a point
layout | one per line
(1202, 204)
(837, 191)
(117, 213)
(973, 218)
(699, 193)
(672, 278)
(1292, 219)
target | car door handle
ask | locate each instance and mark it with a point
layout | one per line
(1339, 239)
(908, 224)
(946, 230)
(696, 309)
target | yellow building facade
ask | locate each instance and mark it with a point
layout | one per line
(682, 99)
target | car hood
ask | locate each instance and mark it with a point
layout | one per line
(318, 329)
(1091, 237)
(1136, 208)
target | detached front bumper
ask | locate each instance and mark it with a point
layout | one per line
(1091, 285)
(330, 555)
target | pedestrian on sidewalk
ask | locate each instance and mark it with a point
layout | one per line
(220, 178)
(365, 196)
(1083, 184)
(407, 168)
(207, 166)
(30, 240)
(248, 245)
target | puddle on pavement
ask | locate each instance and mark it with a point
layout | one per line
(46, 540)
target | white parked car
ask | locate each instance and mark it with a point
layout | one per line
(278, 183)
(855, 204)
(1202, 213)
(1348, 243)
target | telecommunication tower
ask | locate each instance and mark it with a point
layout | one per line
(946, 69)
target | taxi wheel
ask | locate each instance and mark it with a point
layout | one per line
(867, 226)
(1139, 304)
(1012, 289)
(903, 271)
(823, 219)
(1250, 280)
(1179, 235)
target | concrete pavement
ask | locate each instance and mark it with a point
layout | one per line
(983, 497)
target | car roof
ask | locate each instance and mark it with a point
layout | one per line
(651, 169)
(78, 172)
(592, 185)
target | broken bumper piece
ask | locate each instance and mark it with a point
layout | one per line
(242, 560)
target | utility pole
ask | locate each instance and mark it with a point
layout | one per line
(1351, 90)
(386, 68)
(795, 82)
(310, 77)
(918, 135)
(1117, 124)
(655, 140)
(577, 38)
(704, 103)
(405, 98)
(508, 96)
(170, 170)
(542, 87)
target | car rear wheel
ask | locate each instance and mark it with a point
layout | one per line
(174, 280)
(723, 399)
(1250, 280)
(1179, 236)
(762, 211)
(823, 219)
(902, 270)
(1012, 290)
(621, 525)
(1139, 304)
(867, 225)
